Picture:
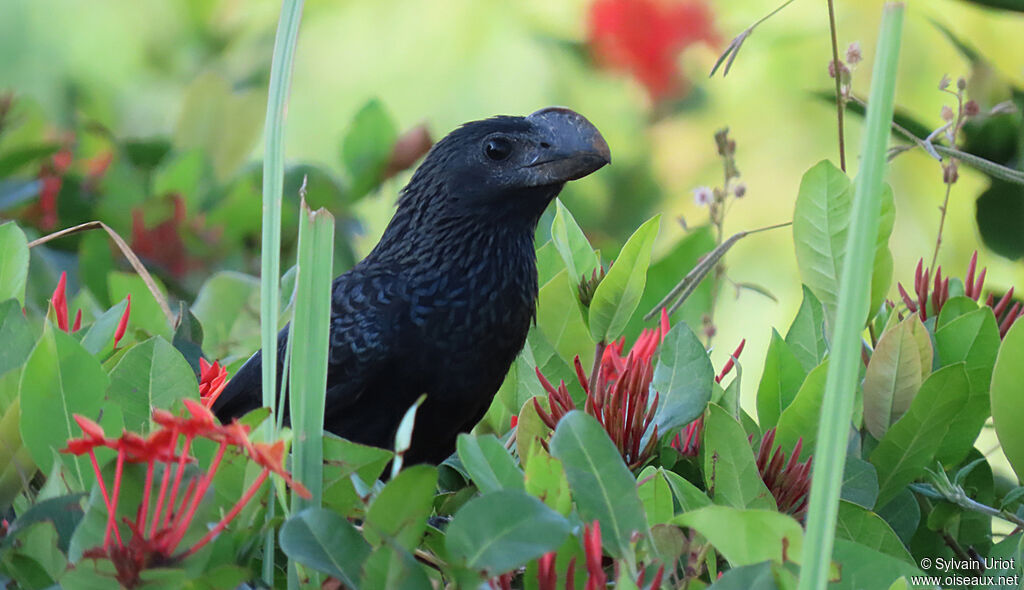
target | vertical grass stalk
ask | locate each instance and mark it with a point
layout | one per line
(273, 183)
(852, 308)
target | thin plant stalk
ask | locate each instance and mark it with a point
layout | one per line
(273, 185)
(839, 85)
(852, 308)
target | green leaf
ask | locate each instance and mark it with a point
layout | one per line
(668, 270)
(224, 301)
(60, 379)
(864, 567)
(393, 568)
(655, 495)
(974, 339)
(898, 366)
(746, 537)
(488, 463)
(859, 524)
(1015, 5)
(326, 542)
(800, 418)
(549, 263)
(820, 225)
(343, 460)
(618, 295)
(730, 469)
(600, 482)
(503, 530)
(224, 123)
(146, 312)
(13, 262)
(683, 378)
(860, 482)
(545, 479)
(151, 375)
(1007, 402)
(572, 244)
(758, 576)
(560, 321)
(367, 146)
(15, 334)
(688, 495)
(399, 513)
(780, 380)
(911, 443)
(100, 336)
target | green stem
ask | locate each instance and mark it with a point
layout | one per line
(839, 85)
(852, 308)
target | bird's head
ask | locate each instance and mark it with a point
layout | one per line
(512, 163)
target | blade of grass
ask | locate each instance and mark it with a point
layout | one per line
(270, 256)
(837, 406)
(307, 371)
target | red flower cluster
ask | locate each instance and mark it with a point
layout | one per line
(59, 301)
(644, 38)
(162, 243)
(938, 289)
(51, 179)
(167, 510)
(687, 441)
(617, 395)
(789, 483)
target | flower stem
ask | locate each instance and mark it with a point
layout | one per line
(942, 224)
(839, 91)
(246, 497)
(112, 511)
(106, 501)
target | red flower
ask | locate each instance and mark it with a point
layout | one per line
(644, 38)
(789, 483)
(212, 379)
(167, 509)
(938, 289)
(59, 301)
(122, 325)
(617, 395)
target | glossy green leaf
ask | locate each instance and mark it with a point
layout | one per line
(689, 496)
(864, 567)
(860, 482)
(898, 366)
(655, 496)
(859, 524)
(781, 378)
(545, 478)
(600, 482)
(13, 262)
(559, 319)
(572, 244)
(344, 460)
(1007, 402)
(746, 537)
(393, 568)
(618, 295)
(151, 375)
(911, 443)
(503, 530)
(683, 378)
(488, 463)
(399, 513)
(60, 379)
(758, 576)
(367, 146)
(730, 469)
(326, 542)
(800, 418)
(974, 339)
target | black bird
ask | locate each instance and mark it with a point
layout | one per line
(443, 303)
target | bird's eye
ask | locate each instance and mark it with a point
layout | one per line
(497, 148)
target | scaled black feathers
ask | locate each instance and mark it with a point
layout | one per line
(443, 303)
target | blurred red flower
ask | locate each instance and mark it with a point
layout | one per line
(644, 38)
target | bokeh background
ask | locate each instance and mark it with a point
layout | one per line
(173, 75)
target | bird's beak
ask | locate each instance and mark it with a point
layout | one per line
(570, 146)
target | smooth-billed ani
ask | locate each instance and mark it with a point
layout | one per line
(443, 303)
